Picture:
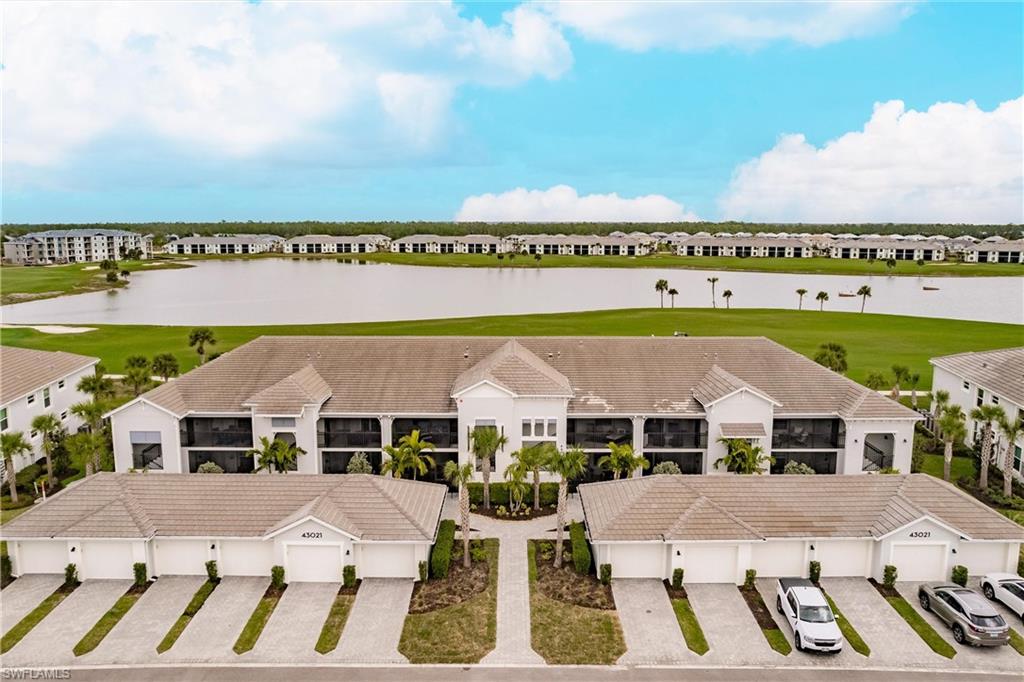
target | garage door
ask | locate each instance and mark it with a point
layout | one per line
(844, 558)
(709, 563)
(105, 560)
(778, 559)
(245, 557)
(638, 561)
(918, 563)
(387, 561)
(181, 557)
(42, 557)
(983, 557)
(313, 563)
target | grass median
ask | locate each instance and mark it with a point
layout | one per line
(258, 620)
(334, 624)
(108, 620)
(917, 622)
(196, 603)
(690, 626)
(850, 633)
(34, 617)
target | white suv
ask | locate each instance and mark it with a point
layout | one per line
(1006, 588)
(806, 609)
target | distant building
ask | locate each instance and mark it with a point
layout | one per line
(76, 246)
(746, 247)
(323, 243)
(585, 245)
(225, 244)
(432, 243)
(995, 252)
(884, 249)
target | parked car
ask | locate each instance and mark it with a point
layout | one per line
(1006, 588)
(808, 613)
(973, 620)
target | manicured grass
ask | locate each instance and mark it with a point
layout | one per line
(566, 634)
(196, 603)
(925, 631)
(461, 633)
(1016, 641)
(107, 621)
(960, 467)
(30, 283)
(34, 617)
(688, 623)
(257, 621)
(850, 633)
(777, 640)
(873, 342)
(335, 623)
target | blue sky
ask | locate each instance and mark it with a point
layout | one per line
(430, 114)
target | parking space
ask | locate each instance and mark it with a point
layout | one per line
(732, 633)
(24, 594)
(1011, 618)
(375, 623)
(212, 633)
(295, 625)
(649, 624)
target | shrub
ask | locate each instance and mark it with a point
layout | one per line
(441, 554)
(477, 551)
(580, 550)
(677, 578)
(5, 568)
(277, 577)
(959, 575)
(111, 276)
(889, 576)
(814, 571)
(666, 467)
(359, 464)
(748, 581)
(499, 494)
(348, 574)
(141, 575)
(212, 574)
(606, 573)
(209, 468)
(70, 575)
(423, 571)
(794, 467)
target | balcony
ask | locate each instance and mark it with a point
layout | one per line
(443, 433)
(676, 434)
(808, 434)
(349, 433)
(594, 434)
(216, 432)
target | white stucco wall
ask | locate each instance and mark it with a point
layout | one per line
(851, 459)
(143, 416)
(741, 407)
(305, 437)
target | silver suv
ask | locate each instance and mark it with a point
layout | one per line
(972, 619)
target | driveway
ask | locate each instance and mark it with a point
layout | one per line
(375, 623)
(212, 633)
(294, 627)
(24, 594)
(732, 633)
(51, 641)
(649, 624)
(1011, 618)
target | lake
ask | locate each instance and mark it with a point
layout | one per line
(296, 291)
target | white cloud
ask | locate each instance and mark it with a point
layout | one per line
(952, 163)
(561, 203)
(645, 25)
(238, 78)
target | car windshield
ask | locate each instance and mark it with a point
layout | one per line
(988, 621)
(816, 614)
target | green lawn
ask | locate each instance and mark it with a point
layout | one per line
(777, 640)
(693, 634)
(257, 621)
(330, 633)
(873, 342)
(925, 631)
(196, 603)
(960, 467)
(20, 283)
(106, 623)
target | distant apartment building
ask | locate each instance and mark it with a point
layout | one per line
(585, 245)
(76, 246)
(995, 252)
(323, 243)
(745, 247)
(432, 243)
(884, 249)
(225, 244)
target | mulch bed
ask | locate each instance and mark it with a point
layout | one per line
(274, 592)
(757, 607)
(883, 590)
(461, 584)
(350, 590)
(493, 513)
(139, 589)
(674, 593)
(565, 584)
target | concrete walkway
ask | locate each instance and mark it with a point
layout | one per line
(649, 624)
(24, 594)
(732, 633)
(212, 633)
(374, 625)
(294, 627)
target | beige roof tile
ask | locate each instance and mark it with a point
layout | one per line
(23, 370)
(743, 430)
(998, 371)
(291, 394)
(518, 370)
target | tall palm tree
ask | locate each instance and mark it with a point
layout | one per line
(165, 366)
(940, 401)
(567, 465)
(914, 379)
(13, 444)
(485, 441)
(97, 384)
(409, 455)
(865, 293)
(275, 456)
(953, 430)
(199, 338)
(986, 416)
(821, 298)
(672, 293)
(91, 412)
(49, 427)
(801, 293)
(661, 286)
(727, 294)
(534, 458)
(713, 281)
(461, 476)
(1011, 432)
(87, 447)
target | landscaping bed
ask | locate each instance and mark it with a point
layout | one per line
(459, 585)
(334, 624)
(196, 603)
(501, 513)
(35, 616)
(914, 619)
(769, 628)
(693, 633)
(565, 584)
(108, 620)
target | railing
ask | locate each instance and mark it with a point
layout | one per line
(875, 459)
(348, 439)
(684, 441)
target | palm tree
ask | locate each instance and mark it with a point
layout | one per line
(801, 293)
(13, 444)
(621, 460)
(986, 416)
(940, 400)
(515, 483)
(49, 427)
(91, 412)
(165, 366)
(915, 379)
(713, 281)
(87, 448)
(901, 375)
(743, 458)
(1011, 432)
(275, 456)
(199, 338)
(661, 286)
(865, 293)
(672, 293)
(460, 476)
(485, 441)
(409, 455)
(953, 430)
(137, 373)
(97, 385)
(567, 466)
(534, 458)
(833, 356)
(821, 298)
(727, 294)
(876, 381)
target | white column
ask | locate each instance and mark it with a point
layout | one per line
(385, 432)
(638, 440)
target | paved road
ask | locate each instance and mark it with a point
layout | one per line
(649, 624)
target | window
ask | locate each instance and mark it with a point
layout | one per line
(46, 397)
(352, 432)
(967, 386)
(3, 419)
(147, 452)
(31, 398)
(1016, 457)
(981, 397)
(485, 424)
(540, 428)
(527, 427)
(282, 422)
(60, 385)
(552, 428)
(995, 400)
(64, 416)
(35, 434)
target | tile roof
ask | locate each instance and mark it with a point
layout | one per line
(290, 395)
(718, 383)
(23, 370)
(743, 430)
(337, 239)
(998, 371)
(885, 244)
(794, 242)
(608, 375)
(1015, 245)
(731, 507)
(518, 370)
(111, 505)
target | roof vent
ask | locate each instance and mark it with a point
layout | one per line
(550, 355)
(465, 353)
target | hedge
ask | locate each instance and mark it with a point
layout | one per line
(499, 494)
(441, 554)
(580, 550)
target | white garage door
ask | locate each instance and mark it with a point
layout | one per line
(638, 561)
(843, 558)
(181, 557)
(709, 563)
(388, 561)
(105, 560)
(313, 563)
(42, 557)
(983, 557)
(918, 563)
(245, 557)
(778, 559)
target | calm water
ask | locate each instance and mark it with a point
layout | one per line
(283, 291)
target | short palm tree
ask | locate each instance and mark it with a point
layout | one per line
(567, 465)
(97, 385)
(199, 338)
(275, 456)
(485, 441)
(800, 303)
(713, 281)
(165, 366)
(727, 294)
(986, 416)
(409, 455)
(621, 460)
(743, 458)
(137, 376)
(901, 375)
(821, 298)
(13, 444)
(534, 458)
(49, 427)
(953, 430)
(515, 483)
(87, 447)
(833, 356)
(1011, 431)
(865, 293)
(661, 286)
(461, 476)
(91, 412)
(940, 400)
(672, 293)
(915, 380)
